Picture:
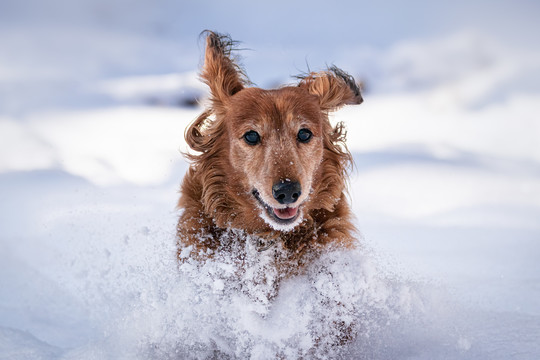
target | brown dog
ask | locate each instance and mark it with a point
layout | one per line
(267, 163)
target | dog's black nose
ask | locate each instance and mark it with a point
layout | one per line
(286, 192)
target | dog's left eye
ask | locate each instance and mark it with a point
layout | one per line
(304, 135)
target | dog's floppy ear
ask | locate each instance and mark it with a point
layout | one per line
(333, 87)
(220, 72)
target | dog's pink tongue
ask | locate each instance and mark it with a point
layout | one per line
(287, 213)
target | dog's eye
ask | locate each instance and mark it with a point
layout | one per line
(304, 135)
(252, 137)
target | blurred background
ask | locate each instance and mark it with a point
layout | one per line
(95, 96)
(56, 54)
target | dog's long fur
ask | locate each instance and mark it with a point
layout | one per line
(229, 184)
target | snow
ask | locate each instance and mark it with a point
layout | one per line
(105, 146)
(94, 101)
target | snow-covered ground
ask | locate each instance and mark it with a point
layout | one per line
(94, 99)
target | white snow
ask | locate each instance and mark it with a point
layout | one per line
(446, 188)
(105, 146)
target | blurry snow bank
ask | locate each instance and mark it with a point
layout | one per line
(418, 159)
(505, 130)
(469, 69)
(139, 145)
(171, 89)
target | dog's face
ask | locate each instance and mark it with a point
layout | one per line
(276, 147)
(273, 145)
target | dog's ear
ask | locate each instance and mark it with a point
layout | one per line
(220, 72)
(333, 87)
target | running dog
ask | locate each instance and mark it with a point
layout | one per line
(267, 164)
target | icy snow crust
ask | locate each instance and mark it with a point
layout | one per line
(147, 306)
(237, 290)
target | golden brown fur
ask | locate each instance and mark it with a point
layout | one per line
(230, 181)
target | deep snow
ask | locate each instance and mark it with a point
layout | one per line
(446, 189)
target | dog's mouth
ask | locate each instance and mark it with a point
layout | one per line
(286, 216)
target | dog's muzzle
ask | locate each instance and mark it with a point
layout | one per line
(286, 215)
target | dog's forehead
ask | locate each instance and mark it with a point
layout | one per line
(279, 105)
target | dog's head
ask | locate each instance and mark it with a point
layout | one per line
(269, 154)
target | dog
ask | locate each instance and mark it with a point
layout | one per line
(266, 163)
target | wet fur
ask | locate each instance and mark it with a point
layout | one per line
(217, 191)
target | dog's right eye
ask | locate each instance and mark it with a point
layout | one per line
(252, 137)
